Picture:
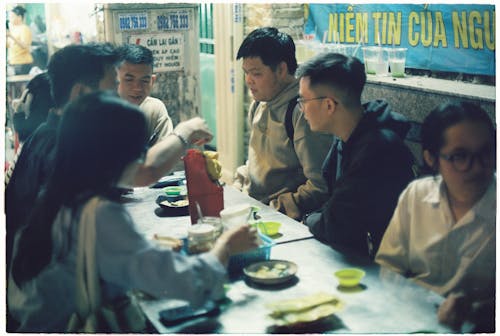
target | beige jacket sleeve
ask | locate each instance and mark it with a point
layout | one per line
(311, 149)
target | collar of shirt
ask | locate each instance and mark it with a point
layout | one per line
(284, 97)
(486, 205)
(435, 195)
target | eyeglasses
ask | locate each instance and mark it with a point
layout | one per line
(301, 101)
(463, 161)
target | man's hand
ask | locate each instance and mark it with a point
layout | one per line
(194, 131)
(165, 154)
(237, 240)
(240, 177)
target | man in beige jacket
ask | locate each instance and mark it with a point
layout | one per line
(283, 169)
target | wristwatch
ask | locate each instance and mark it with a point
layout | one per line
(183, 140)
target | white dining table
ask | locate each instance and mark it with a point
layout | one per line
(383, 302)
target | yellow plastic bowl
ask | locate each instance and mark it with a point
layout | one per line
(269, 228)
(350, 277)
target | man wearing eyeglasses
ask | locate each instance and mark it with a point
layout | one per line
(283, 169)
(368, 165)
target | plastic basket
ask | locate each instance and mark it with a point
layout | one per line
(239, 261)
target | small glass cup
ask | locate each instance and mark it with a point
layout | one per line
(201, 238)
(215, 222)
(235, 215)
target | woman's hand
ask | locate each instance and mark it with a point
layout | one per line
(454, 310)
(234, 241)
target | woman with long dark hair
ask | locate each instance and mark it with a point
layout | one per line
(101, 141)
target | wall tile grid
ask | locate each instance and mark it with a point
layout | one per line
(416, 104)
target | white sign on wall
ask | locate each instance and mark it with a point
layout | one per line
(133, 21)
(173, 20)
(167, 48)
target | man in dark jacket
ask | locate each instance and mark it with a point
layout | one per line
(73, 71)
(368, 164)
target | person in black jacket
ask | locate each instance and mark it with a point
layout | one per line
(368, 164)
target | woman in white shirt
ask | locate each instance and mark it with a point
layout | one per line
(442, 233)
(101, 142)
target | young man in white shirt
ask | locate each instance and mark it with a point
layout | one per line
(135, 73)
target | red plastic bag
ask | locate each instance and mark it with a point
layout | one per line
(200, 188)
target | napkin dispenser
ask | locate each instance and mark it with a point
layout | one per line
(201, 188)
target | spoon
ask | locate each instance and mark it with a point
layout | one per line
(250, 213)
(256, 224)
(200, 214)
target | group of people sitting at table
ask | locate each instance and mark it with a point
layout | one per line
(357, 192)
(438, 230)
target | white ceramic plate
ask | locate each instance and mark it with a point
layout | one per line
(271, 272)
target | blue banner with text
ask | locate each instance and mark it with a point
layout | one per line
(439, 37)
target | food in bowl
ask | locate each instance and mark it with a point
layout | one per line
(176, 204)
(273, 271)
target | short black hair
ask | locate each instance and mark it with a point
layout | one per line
(341, 72)
(446, 115)
(19, 10)
(135, 54)
(272, 46)
(85, 63)
(26, 123)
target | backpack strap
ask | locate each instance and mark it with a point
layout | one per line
(252, 111)
(288, 118)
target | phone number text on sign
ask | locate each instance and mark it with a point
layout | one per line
(173, 21)
(133, 21)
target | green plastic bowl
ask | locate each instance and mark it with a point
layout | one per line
(349, 277)
(175, 193)
(172, 191)
(269, 228)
